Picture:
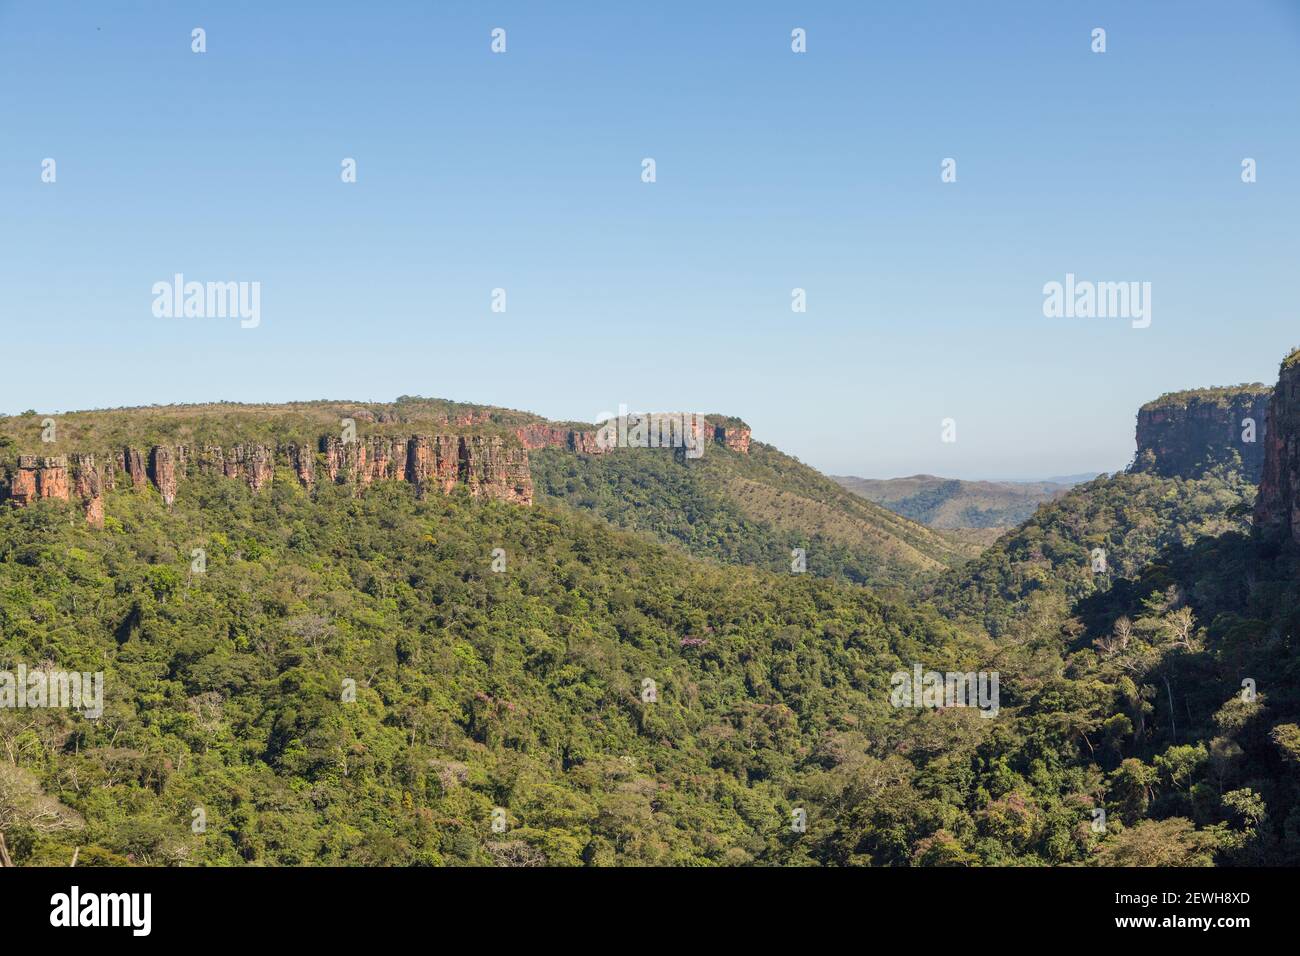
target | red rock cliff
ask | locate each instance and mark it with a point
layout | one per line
(89, 488)
(484, 465)
(737, 439)
(162, 469)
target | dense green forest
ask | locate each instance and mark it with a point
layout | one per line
(634, 670)
(518, 697)
(1044, 567)
(475, 689)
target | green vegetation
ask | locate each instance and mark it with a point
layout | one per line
(1220, 397)
(749, 509)
(229, 423)
(1044, 567)
(334, 679)
(473, 689)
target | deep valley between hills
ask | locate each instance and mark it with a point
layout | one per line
(432, 633)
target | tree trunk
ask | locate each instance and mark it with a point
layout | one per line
(4, 852)
(1173, 726)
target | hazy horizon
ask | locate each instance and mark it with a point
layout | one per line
(560, 418)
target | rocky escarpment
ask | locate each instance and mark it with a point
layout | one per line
(734, 437)
(58, 476)
(1184, 434)
(89, 484)
(581, 440)
(1277, 506)
(482, 464)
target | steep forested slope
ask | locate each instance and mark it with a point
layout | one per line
(386, 674)
(519, 697)
(749, 509)
(1170, 674)
(1042, 568)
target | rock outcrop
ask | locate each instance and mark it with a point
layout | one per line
(22, 482)
(303, 462)
(340, 458)
(490, 470)
(737, 438)
(52, 478)
(534, 437)
(89, 487)
(1277, 506)
(447, 459)
(1185, 434)
(162, 469)
(133, 468)
(519, 476)
(39, 477)
(383, 459)
(253, 464)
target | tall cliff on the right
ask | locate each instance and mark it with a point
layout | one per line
(1277, 507)
(1186, 434)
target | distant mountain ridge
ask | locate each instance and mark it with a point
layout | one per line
(952, 503)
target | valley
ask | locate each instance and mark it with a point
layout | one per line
(420, 633)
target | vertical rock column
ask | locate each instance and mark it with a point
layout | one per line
(89, 487)
(162, 469)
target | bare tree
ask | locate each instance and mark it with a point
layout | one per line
(1123, 632)
(1116, 642)
(24, 803)
(1181, 624)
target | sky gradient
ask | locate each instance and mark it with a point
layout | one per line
(775, 170)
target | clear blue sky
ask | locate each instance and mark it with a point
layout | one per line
(775, 170)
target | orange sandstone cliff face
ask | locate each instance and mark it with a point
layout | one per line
(483, 465)
(89, 488)
(737, 439)
(58, 477)
(162, 468)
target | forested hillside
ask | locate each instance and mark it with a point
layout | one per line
(355, 669)
(1045, 566)
(475, 689)
(750, 509)
(1163, 621)
(524, 689)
